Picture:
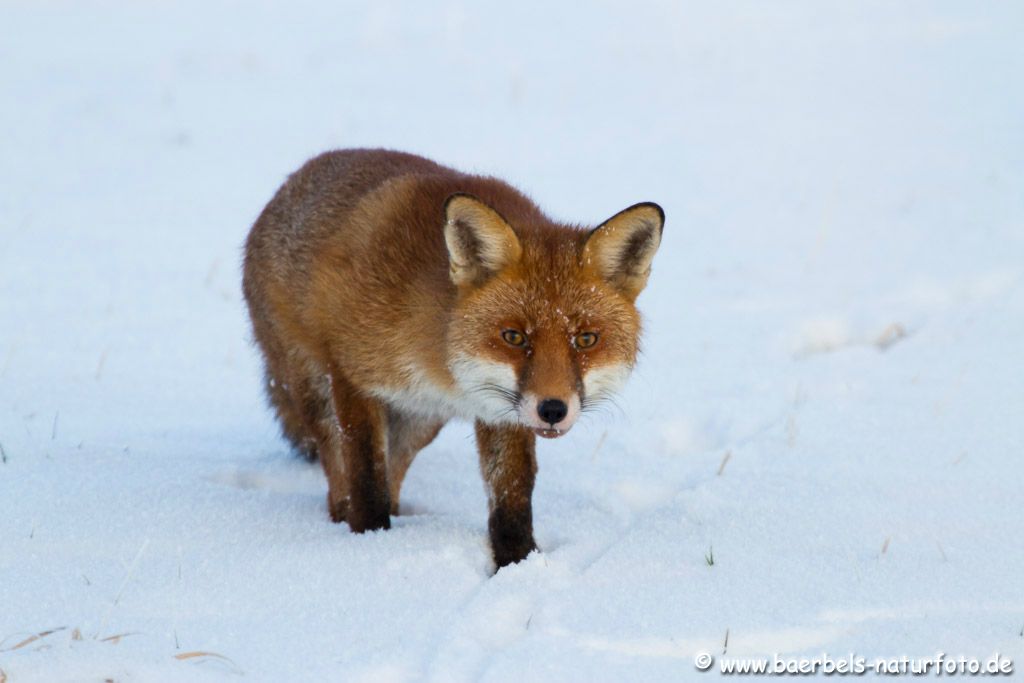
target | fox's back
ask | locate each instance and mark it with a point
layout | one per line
(350, 254)
(314, 204)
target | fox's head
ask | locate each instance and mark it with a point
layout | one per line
(544, 325)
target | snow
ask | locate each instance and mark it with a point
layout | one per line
(829, 400)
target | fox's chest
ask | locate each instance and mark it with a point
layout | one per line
(419, 395)
(425, 401)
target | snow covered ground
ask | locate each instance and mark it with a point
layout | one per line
(830, 405)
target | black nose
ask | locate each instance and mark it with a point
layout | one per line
(552, 411)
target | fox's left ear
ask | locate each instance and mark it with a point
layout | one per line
(621, 248)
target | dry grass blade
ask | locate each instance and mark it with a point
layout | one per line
(124, 583)
(202, 654)
(3, 676)
(725, 460)
(102, 361)
(890, 335)
(199, 653)
(34, 638)
(114, 640)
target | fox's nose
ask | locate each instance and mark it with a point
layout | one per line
(552, 411)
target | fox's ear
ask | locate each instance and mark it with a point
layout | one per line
(620, 250)
(480, 242)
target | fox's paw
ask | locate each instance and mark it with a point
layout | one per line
(338, 510)
(511, 536)
(511, 555)
(369, 522)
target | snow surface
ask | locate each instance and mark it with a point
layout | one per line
(829, 403)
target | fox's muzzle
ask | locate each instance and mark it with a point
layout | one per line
(549, 417)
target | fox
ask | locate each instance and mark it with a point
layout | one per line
(389, 294)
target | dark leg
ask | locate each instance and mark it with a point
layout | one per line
(309, 392)
(362, 444)
(509, 465)
(281, 384)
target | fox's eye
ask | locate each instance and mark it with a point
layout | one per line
(514, 337)
(584, 340)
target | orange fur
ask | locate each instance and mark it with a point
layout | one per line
(389, 294)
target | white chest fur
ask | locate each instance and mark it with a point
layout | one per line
(471, 396)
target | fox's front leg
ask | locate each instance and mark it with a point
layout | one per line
(509, 465)
(362, 458)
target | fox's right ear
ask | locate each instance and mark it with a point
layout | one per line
(480, 242)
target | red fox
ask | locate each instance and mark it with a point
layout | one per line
(390, 294)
